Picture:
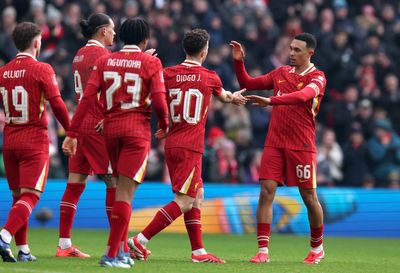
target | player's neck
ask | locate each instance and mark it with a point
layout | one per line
(30, 51)
(194, 59)
(99, 40)
(300, 69)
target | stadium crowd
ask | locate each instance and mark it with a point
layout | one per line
(358, 49)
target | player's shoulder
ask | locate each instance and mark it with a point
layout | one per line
(283, 68)
(44, 67)
(316, 73)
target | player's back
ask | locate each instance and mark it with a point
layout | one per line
(127, 81)
(82, 66)
(83, 63)
(25, 83)
(189, 89)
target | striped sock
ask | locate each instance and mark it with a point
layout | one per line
(163, 218)
(68, 208)
(193, 227)
(20, 212)
(316, 236)
(263, 232)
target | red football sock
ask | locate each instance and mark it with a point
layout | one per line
(263, 232)
(21, 234)
(68, 203)
(163, 218)
(316, 236)
(119, 220)
(193, 227)
(124, 242)
(20, 212)
(110, 199)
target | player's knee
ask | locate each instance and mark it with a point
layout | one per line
(311, 201)
(184, 202)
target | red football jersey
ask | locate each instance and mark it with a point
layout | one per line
(293, 126)
(25, 83)
(127, 80)
(189, 87)
(82, 66)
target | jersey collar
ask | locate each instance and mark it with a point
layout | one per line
(93, 42)
(190, 63)
(308, 70)
(24, 55)
(131, 48)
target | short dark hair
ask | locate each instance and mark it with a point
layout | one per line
(194, 41)
(95, 21)
(24, 33)
(134, 31)
(310, 40)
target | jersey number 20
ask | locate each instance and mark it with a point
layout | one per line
(192, 93)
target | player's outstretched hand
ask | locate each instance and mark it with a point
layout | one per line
(99, 126)
(151, 51)
(237, 51)
(161, 134)
(258, 101)
(238, 98)
(69, 146)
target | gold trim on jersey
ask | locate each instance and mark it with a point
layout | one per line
(187, 183)
(314, 106)
(314, 176)
(41, 105)
(42, 178)
(140, 173)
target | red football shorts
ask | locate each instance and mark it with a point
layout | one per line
(129, 156)
(26, 168)
(91, 156)
(184, 168)
(290, 167)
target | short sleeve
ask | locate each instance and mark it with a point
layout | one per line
(216, 84)
(49, 82)
(96, 74)
(157, 77)
(318, 82)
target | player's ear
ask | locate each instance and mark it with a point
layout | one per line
(311, 52)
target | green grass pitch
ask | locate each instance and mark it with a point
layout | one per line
(171, 252)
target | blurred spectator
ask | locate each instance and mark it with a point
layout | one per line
(364, 118)
(355, 160)
(344, 112)
(329, 160)
(391, 99)
(384, 150)
(8, 22)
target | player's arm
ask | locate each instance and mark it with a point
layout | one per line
(52, 94)
(309, 92)
(159, 99)
(245, 81)
(60, 111)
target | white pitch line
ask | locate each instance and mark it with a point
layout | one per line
(13, 269)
